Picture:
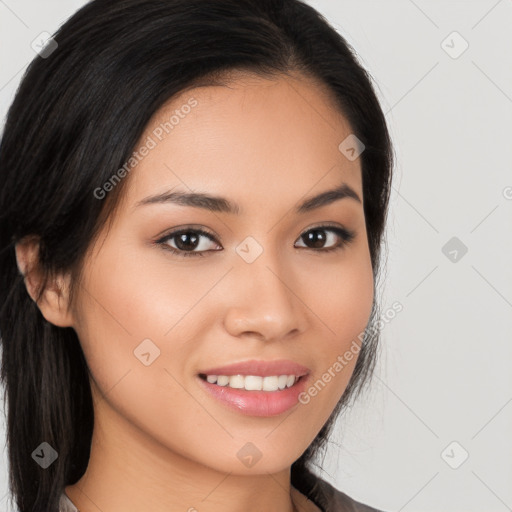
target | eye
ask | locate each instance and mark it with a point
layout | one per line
(316, 237)
(195, 242)
(187, 241)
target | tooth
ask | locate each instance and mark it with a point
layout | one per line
(253, 383)
(290, 381)
(281, 381)
(236, 381)
(222, 380)
(270, 383)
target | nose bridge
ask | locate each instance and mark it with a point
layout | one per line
(263, 299)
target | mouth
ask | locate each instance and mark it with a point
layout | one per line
(254, 395)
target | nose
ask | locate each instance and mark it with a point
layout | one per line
(264, 301)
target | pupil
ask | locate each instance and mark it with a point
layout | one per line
(182, 240)
(316, 237)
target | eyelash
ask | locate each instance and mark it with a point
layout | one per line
(345, 235)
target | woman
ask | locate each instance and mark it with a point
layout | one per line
(193, 198)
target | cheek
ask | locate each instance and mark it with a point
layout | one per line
(342, 297)
(136, 294)
(342, 301)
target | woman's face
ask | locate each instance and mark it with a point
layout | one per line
(258, 285)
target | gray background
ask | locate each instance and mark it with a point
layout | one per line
(444, 374)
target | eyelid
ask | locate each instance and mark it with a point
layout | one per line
(186, 227)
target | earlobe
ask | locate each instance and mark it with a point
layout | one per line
(54, 301)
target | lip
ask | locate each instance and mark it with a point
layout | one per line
(259, 367)
(256, 403)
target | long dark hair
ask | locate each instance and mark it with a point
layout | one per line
(76, 118)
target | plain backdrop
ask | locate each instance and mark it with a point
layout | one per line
(434, 431)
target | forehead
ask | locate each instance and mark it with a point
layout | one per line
(277, 138)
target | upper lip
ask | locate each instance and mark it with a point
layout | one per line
(261, 368)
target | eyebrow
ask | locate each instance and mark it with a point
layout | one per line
(223, 205)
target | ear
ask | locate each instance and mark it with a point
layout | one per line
(54, 301)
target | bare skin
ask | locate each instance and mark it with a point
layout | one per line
(160, 443)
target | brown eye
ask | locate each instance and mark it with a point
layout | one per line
(316, 238)
(188, 242)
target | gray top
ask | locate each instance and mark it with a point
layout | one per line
(326, 497)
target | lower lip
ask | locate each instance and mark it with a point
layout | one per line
(257, 403)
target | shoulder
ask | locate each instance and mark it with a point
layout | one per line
(334, 500)
(329, 499)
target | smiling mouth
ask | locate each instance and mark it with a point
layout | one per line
(270, 383)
